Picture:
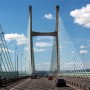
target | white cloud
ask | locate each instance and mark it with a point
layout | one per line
(72, 65)
(83, 52)
(82, 16)
(87, 65)
(44, 38)
(43, 66)
(39, 50)
(20, 38)
(42, 44)
(82, 47)
(48, 16)
(6, 50)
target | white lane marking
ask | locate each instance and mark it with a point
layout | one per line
(19, 84)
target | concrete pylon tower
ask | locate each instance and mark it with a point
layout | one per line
(57, 39)
(54, 34)
(31, 41)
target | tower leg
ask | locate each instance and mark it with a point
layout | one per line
(57, 40)
(31, 41)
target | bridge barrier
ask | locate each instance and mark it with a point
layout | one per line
(7, 81)
(78, 85)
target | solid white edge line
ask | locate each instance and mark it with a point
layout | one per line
(19, 84)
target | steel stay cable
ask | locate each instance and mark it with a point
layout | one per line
(6, 47)
(3, 52)
(11, 69)
(79, 67)
(1, 70)
(5, 56)
(79, 62)
(2, 61)
(73, 48)
(67, 45)
(81, 4)
(54, 55)
(8, 53)
(1, 56)
(4, 65)
(53, 47)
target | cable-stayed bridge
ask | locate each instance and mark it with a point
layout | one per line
(65, 61)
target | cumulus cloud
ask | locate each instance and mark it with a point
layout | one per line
(48, 16)
(82, 16)
(83, 52)
(45, 38)
(42, 44)
(82, 47)
(72, 65)
(20, 38)
(87, 65)
(43, 66)
(39, 50)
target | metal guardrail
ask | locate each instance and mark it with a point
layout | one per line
(6, 81)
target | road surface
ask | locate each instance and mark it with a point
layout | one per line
(35, 84)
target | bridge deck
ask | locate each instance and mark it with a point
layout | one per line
(35, 84)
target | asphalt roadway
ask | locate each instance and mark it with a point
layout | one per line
(35, 84)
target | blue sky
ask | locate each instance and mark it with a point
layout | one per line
(14, 15)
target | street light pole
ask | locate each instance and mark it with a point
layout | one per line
(29, 67)
(15, 60)
(25, 66)
(21, 65)
(15, 57)
(74, 66)
(17, 65)
(83, 60)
